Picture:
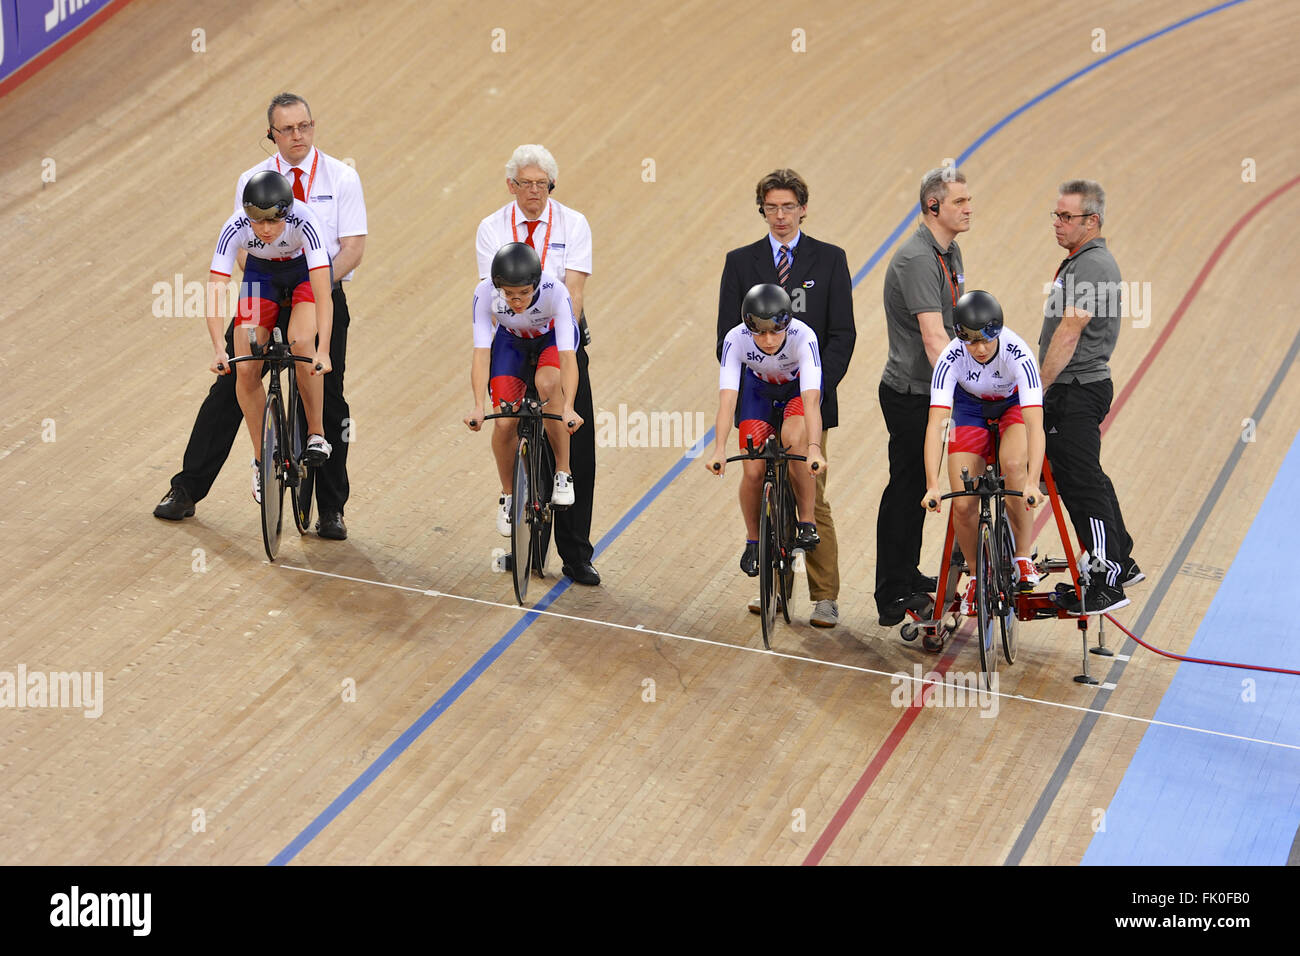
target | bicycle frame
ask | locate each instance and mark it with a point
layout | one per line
(532, 509)
(777, 515)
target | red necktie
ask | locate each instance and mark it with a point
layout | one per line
(297, 185)
(532, 226)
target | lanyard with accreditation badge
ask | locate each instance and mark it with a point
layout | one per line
(952, 283)
(546, 240)
(311, 177)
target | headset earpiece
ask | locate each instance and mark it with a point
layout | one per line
(269, 136)
(550, 186)
(934, 206)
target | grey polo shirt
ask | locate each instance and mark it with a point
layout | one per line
(917, 282)
(1089, 280)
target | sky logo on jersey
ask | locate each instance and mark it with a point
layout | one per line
(755, 356)
(972, 375)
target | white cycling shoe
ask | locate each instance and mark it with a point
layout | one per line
(562, 492)
(503, 516)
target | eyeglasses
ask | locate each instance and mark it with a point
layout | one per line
(301, 129)
(770, 208)
(531, 184)
(1069, 217)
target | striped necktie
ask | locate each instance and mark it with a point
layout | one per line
(783, 266)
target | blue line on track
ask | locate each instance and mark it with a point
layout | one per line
(409, 736)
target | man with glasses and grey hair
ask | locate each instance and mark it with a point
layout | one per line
(924, 280)
(1081, 321)
(562, 240)
(332, 190)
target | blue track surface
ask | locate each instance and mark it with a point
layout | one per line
(1191, 798)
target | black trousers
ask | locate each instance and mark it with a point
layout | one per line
(220, 420)
(573, 524)
(1072, 417)
(901, 519)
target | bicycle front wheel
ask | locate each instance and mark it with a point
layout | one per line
(768, 556)
(1007, 620)
(543, 482)
(986, 599)
(785, 550)
(300, 476)
(520, 549)
(272, 474)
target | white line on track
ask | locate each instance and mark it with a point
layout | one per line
(894, 675)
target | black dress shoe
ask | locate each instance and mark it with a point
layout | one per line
(583, 573)
(927, 584)
(176, 504)
(331, 526)
(894, 612)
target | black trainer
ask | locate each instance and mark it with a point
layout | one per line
(806, 535)
(749, 560)
(1097, 599)
(176, 504)
(1130, 574)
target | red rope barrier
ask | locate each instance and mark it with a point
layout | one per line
(1198, 660)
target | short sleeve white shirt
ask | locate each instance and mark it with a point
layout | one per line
(562, 238)
(333, 194)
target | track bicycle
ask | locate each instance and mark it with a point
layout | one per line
(284, 440)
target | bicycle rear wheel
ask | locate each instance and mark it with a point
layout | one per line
(300, 476)
(986, 600)
(272, 475)
(1007, 620)
(767, 563)
(785, 549)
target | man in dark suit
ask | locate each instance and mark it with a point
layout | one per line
(816, 274)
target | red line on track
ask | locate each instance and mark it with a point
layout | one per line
(905, 722)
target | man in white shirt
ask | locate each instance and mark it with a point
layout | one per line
(332, 190)
(562, 239)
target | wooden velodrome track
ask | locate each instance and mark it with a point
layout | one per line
(224, 688)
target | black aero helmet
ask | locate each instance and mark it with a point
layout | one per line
(977, 317)
(516, 263)
(766, 308)
(267, 195)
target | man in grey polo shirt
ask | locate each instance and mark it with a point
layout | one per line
(1081, 323)
(922, 284)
